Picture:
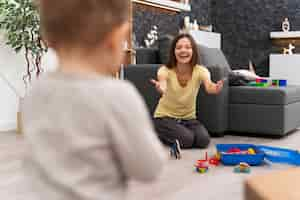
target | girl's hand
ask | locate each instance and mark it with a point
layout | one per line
(219, 86)
(157, 85)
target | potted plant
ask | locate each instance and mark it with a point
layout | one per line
(20, 24)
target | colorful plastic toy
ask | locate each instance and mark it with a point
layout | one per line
(280, 155)
(201, 170)
(282, 83)
(233, 150)
(279, 82)
(242, 156)
(218, 156)
(261, 80)
(272, 154)
(242, 168)
(251, 151)
(258, 84)
(214, 161)
(201, 167)
(275, 82)
(205, 160)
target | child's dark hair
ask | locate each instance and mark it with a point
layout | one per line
(84, 23)
(172, 58)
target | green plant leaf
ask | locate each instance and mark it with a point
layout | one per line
(20, 22)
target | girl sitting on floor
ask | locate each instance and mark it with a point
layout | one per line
(179, 82)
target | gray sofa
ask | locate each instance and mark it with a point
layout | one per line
(244, 109)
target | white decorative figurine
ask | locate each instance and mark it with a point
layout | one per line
(285, 25)
(152, 36)
(187, 23)
(289, 50)
(195, 25)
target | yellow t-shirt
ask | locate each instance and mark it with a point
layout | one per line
(178, 101)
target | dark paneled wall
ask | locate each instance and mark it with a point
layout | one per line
(245, 26)
(144, 19)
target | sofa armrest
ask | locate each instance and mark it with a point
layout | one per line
(212, 110)
(140, 76)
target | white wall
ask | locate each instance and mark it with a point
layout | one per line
(12, 67)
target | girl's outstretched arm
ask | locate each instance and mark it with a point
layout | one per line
(161, 82)
(211, 87)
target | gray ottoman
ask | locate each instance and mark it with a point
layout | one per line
(272, 110)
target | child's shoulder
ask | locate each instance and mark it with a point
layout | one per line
(118, 85)
(123, 96)
(95, 86)
(121, 90)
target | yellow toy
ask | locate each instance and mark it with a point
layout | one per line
(242, 168)
(251, 151)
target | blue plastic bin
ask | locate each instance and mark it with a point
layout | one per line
(280, 155)
(234, 159)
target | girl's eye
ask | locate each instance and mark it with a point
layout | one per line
(183, 47)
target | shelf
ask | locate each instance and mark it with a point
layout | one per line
(165, 4)
(285, 35)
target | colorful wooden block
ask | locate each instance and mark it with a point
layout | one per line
(282, 83)
(279, 82)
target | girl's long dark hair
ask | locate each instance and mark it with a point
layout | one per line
(172, 58)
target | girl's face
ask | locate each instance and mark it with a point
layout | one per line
(183, 51)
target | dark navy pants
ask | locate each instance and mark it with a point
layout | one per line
(189, 133)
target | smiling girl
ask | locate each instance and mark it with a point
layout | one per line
(179, 82)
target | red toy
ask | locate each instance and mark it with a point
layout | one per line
(234, 150)
(214, 161)
(201, 167)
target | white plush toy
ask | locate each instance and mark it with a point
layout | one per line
(247, 73)
(152, 36)
(285, 25)
(289, 50)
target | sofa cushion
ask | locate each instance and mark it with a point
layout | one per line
(212, 57)
(264, 96)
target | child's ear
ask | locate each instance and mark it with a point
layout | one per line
(118, 36)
